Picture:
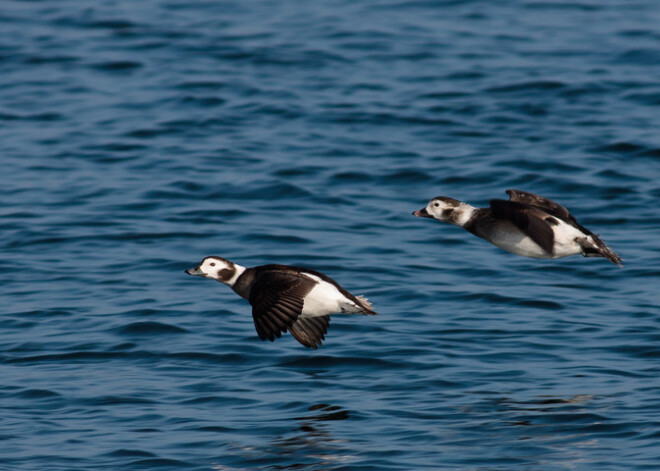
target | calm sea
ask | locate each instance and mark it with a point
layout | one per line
(137, 137)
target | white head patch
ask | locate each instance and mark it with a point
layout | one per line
(449, 210)
(220, 269)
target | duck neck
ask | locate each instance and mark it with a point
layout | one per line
(241, 281)
(462, 215)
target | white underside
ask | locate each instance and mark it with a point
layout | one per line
(515, 241)
(325, 299)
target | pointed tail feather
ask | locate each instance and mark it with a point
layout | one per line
(366, 305)
(599, 249)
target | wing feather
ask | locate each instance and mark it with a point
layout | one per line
(310, 331)
(548, 206)
(528, 219)
(277, 300)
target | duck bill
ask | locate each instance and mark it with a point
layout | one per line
(422, 213)
(195, 272)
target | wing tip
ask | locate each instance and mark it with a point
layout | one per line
(310, 332)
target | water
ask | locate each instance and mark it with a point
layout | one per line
(138, 137)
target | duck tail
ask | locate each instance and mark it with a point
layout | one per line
(597, 248)
(366, 306)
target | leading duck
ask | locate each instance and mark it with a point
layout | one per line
(286, 298)
(528, 225)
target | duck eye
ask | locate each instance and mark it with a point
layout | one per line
(436, 204)
(212, 264)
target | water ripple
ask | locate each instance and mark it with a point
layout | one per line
(139, 137)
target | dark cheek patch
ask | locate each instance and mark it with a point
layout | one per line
(225, 274)
(446, 213)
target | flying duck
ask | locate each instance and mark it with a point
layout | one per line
(527, 225)
(286, 298)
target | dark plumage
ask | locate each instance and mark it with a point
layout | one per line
(286, 298)
(526, 224)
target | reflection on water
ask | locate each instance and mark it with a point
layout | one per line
(328, 412)
(136, 137)
(311, 445)
(547, 403)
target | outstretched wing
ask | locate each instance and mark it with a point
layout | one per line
(277, 300)
(310, 331)
(546, 205)
(535, 223)
(540, 202)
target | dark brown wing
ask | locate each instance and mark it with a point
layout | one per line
(547, 205)
(277, 300)
(540, 202)
(533, 222)
(310, 331)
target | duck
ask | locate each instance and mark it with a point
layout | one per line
(285, 298)
(527, 224)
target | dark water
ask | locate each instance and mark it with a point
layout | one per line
(138, 137)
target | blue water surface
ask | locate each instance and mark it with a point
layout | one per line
(138, 137)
